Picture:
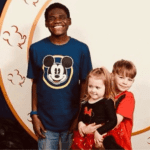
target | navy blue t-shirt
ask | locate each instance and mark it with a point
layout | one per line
(58, 70)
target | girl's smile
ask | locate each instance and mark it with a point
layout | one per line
(96, 89)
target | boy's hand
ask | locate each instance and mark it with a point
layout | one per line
(91, 128)
(98, 137)
(99, 145)
(81, 128)
(38, 127)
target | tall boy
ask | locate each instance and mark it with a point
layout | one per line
(58, 65)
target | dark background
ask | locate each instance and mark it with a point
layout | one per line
(12, 135)
(4, 110)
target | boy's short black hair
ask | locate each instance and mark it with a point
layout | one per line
(56, 5)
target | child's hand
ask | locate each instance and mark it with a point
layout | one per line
(99, 145)
(81, 128)
(97, 137)
(91, 128)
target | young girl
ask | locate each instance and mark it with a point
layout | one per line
(96, 108)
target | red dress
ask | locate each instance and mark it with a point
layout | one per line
(122, 133)
(82, 143)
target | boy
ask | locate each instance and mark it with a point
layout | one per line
(123, 75)
(57, 64)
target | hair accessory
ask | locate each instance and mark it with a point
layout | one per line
(33, 113)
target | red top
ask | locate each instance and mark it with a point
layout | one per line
(122, 132)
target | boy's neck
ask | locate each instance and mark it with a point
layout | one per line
(59, 40)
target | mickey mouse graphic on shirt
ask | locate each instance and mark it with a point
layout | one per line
(58, 70)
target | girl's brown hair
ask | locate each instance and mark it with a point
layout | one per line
(103, 74)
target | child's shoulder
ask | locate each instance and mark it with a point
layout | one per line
(125, 94)
(83, 102)
(128, 97)
(129, 94)
(108, 101)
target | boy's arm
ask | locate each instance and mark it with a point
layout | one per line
(37, 125)
(119, 119)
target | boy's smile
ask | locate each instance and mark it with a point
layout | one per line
(58, 22)
(122, 83)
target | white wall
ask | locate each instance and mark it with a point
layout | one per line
(113, 30)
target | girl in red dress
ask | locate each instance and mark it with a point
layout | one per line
(97, 108)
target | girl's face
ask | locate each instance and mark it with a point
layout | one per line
(122, 83)
(96, 88)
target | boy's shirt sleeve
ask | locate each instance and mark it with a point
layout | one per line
(86, 63)
(126, 107)
(32, 68)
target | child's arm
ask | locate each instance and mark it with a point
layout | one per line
(110, 124)
(98, 138)
(119, 119)
(112, 118)
(81, 124)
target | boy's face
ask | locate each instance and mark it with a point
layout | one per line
(57, 22)
(122, 83)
